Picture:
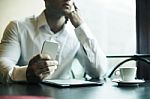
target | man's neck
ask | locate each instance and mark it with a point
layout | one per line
(55, 21)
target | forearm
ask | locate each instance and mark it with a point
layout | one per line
(93, 58)
(90, 55)
(10, 73)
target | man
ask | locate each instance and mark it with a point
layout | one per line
(21, 45)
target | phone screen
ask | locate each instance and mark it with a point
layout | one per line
(50, 48)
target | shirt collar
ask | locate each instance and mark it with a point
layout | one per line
(41, 20)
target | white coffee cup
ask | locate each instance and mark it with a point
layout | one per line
(128, 73)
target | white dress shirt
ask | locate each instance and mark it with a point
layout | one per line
(24, 39)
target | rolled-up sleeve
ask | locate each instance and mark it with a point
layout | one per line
(90, 55)
(10, 54)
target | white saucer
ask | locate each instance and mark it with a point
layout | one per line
(136, 81)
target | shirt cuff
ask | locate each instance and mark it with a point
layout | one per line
(18, 73)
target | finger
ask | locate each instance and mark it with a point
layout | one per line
(43, 75)
(51, 62)
(46, 71)
(41, 64)
(52, 68)
(75, 6)
(45, 56)
(39, 57)
(34, 59)
(40, 71)
(45, 64)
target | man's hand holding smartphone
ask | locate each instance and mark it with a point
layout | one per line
(42, 65)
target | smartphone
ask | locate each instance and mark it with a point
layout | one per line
(50, 48)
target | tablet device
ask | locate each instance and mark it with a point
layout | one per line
(71, 83)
